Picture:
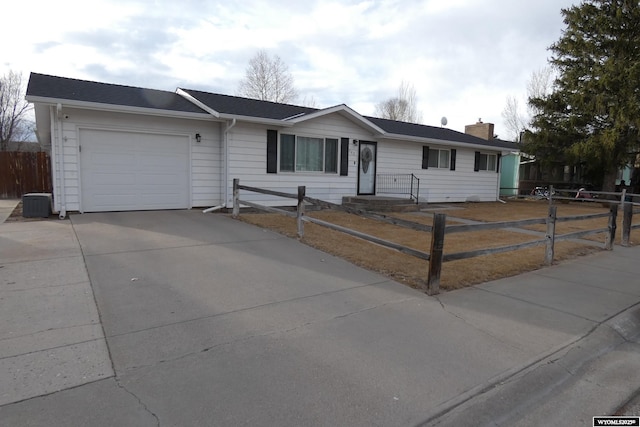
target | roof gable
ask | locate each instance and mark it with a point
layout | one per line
(61, 88)
(344, 111)
(237, 106)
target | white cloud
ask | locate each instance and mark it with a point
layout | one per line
(464, 57)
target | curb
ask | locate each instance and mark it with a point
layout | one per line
(591, 376)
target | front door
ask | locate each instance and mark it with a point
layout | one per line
(367, 168)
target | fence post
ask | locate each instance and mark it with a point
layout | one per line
(236, 197)
(551, 196)
(435, 257)
(611, 235)
(301, 193)
(627, 219)
(411, 189)
(622, 197)
(551, 235)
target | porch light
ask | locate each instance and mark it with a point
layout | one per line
(198, 137)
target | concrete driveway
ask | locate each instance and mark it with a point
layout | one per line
(210, 321)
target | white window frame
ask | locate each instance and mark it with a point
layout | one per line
(487, 156)
(439, 150)
(295, 153)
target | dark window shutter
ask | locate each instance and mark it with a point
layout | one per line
(272, 151)
(344, 156)
(425, 157)
(453, 159)
(499, 157)
(476, 162)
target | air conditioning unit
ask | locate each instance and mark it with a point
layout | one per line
(36, 205)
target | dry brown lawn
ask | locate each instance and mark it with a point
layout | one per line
(455, 274)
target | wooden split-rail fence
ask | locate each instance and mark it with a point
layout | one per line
(439, 229)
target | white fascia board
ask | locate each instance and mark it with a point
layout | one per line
(186, 95)
(443, 142)
(118, 108)
(345, 111)
(258, 120)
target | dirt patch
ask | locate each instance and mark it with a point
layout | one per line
(455, 274)
(16, 215)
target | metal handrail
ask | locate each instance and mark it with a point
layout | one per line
(397, 183)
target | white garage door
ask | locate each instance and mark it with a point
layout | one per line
(123, 171)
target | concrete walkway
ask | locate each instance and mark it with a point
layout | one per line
(210, 321)
(50, 333)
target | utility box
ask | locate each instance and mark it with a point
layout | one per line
(36, 205)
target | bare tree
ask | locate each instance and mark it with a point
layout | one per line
(538, 86)
(515, 119)
(268, 79)
(14, 125)
(402, 107)
(309, 101)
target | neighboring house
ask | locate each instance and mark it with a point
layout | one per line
(128, 148)
(510, 174)
(510, 162)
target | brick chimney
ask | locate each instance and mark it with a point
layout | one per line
(481, 130)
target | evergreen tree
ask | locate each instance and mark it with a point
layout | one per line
(592, 115)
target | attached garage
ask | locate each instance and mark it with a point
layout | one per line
(122, 171)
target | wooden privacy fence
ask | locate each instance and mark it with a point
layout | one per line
(439, 229)
(24, 172)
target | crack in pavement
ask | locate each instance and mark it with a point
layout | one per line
(243, 309)
(140, 402)
(190, 245)
(34, 288)
(265, 334)
(466, 322)
(42, 350)
(552, 308)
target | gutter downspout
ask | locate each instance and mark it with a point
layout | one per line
(225, 167)
(215, 208)
(63, 204)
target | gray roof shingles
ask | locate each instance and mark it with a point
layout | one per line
(236, 105)
(432, 132)
(271, 110)
(41, 85)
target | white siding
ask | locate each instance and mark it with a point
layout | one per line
(439, 185)
(206, 158)
(248, 161)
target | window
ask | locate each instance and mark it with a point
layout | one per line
(441, 159)
(331, 155)
(438, 158)
(308, 154)
(486, 162)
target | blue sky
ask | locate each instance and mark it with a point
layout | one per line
(464, 57)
